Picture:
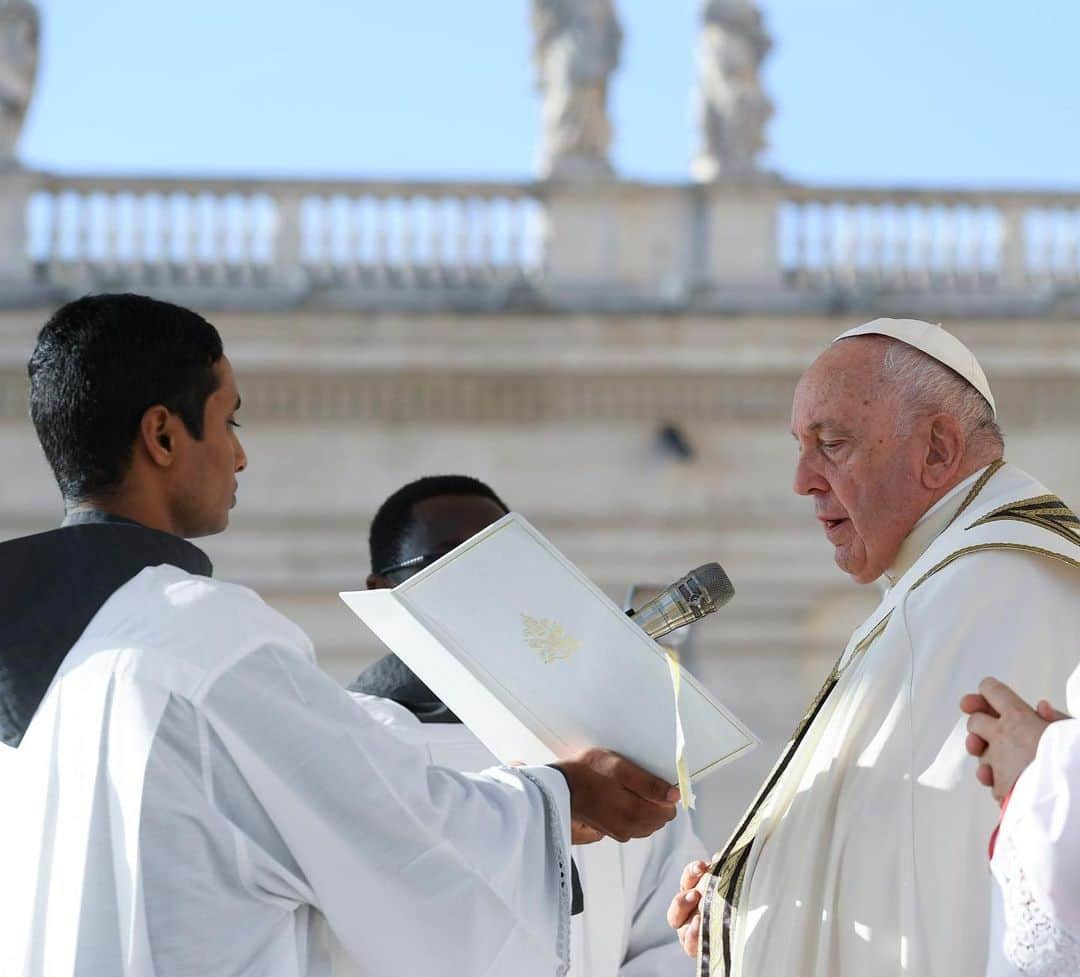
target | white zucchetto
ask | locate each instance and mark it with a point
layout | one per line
(935, 342)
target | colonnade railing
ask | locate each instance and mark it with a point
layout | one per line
(254, 232)
(665, 243)
(929, 239)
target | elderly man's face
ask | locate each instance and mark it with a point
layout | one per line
(863, 477)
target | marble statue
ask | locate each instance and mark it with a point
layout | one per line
(577, 45)
(18, 68)
(731, 107)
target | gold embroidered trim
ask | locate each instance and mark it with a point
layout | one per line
(1045, 511)
(985, 477)
(994, 546)
(727, 873)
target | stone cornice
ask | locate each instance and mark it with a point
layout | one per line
(504, 398)
(513, 397)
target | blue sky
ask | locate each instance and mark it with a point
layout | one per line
(939, 92)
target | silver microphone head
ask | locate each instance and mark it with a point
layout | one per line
(689, 599)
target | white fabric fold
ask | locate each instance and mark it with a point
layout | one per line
(623, 931)
(195, 796)
(871, 861)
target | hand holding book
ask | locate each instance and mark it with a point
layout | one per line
(614, 796)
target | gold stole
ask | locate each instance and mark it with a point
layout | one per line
(728, 869)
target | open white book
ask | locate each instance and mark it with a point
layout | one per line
(539, 663)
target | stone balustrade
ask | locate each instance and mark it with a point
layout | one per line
(247, 234)
(606, 245)
(929, 240)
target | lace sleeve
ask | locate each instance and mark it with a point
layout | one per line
(1034, 942)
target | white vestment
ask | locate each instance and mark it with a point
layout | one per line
(1036, 861)
(623, 931)
(867, 857)
(194, 797)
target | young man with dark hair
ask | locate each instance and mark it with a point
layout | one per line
(184, 791)
(623, 931)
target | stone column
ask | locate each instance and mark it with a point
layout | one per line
(730, 105)
(577, 46)
(614, 243)
(739, 241)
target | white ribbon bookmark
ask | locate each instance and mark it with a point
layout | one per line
(683, 770)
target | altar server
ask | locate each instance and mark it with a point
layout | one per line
(622, 930)
(1030, 758)
(864, 853)
(184, 792)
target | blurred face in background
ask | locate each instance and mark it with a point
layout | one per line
(436, 526)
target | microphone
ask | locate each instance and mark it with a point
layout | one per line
(689, 599)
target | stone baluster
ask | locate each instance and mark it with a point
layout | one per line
(354, 242)
(407, 235)
(140, 221)
(1055, 243)
(224, 236)
(436, 243)
(194, 236)
(465, 229)
(288, 252)
(515, 251)
(486, 235)
(79, 217)
(382, 236)
(244, 239)
(167, 234)
(877, 243)
(800, 262)
(827, 243)
(1012, 261)
(111, 256)
(1071, 256)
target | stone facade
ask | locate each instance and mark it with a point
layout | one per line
(616, 358)
(562, 413)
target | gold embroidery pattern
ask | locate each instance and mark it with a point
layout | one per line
(994, 546)
(993, 468)
(1046, 512)
(727, 873)
(549, 638)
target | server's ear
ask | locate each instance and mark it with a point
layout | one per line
(156, 434)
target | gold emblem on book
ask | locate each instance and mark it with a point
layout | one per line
(549, 638)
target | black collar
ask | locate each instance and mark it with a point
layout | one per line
(52, 585)
(171, 549)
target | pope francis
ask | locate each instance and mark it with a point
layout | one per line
(864, 853)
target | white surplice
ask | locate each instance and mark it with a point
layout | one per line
(194, 797)
(1036, 862)
(868, 857)
(623, 931)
